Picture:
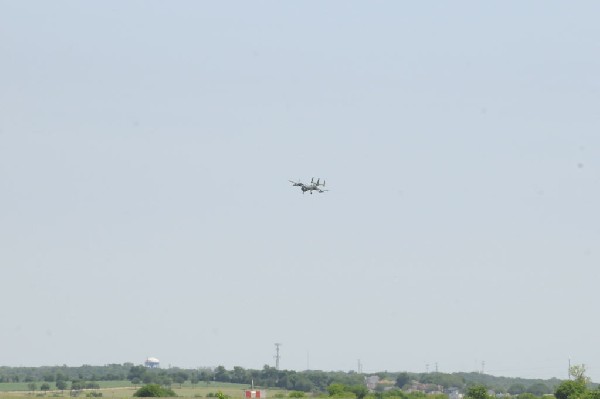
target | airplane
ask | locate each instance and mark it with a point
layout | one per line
(313, 186)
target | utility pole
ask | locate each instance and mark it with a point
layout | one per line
(436, 367)
(359, 367)
(277, 357)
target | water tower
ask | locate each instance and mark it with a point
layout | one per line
(152, 363)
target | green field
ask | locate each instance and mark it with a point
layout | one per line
(124, 389)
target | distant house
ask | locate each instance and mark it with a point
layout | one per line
(454, 393)
(415, 386)
(372, 382)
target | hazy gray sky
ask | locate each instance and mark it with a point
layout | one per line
(145, 148)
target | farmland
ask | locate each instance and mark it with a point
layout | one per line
(124, 389)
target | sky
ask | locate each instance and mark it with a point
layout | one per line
(145, 208)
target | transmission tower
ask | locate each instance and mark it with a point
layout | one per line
(277, 357)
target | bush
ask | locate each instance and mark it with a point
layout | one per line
(296, 394)
(154, 391)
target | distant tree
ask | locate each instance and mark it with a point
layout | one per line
(221, 374)
(477, 392)
(402, 380)
(61, 384)
(206, 376)
(45, 387)
(595, 394)
(516, 389)
(571, 389)
(538, 389)
(392, 393)
(164, 380)
(303, 383)
(336, 389)
(526, 395)
(137, 372)
(359, 390)
(149, 378)
(32, 386)
(180, 377)
(577, 371)
(154, 391)
(239, 375)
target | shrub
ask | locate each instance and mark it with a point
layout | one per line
(154, 391)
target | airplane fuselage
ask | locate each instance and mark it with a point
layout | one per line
(310, 187)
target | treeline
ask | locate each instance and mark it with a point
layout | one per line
(305, 381)
(64, 377)
(110, 372)
(513, 386)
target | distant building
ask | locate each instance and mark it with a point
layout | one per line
(454, 393)
(152, 363)
(255, 394)
(372, 382)
(415, 386)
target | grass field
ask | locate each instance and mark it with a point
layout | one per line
(124, 389)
